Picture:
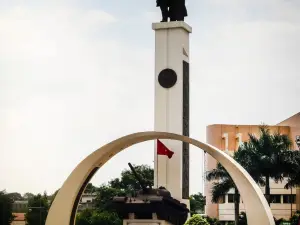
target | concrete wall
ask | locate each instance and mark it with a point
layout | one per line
(294, 124)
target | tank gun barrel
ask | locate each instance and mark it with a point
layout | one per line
(139, 179)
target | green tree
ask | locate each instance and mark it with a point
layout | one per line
(197, 203)
(293, 168)
(105, 218)
(37, 210)
(6, 216)
(15, 196)
(28, 196)
(104, 196)
(90, 188)
(266, 155)
(223, 183)
(213, 221)
(84, 217)
(295, 218)
(52, 197)
(96, 217)
(196, 220)
(129, 183)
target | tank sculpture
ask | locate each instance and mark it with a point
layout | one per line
(149, 203)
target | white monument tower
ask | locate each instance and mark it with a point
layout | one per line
(172, 105)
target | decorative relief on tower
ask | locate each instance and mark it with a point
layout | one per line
(185, 132)
(167, 78)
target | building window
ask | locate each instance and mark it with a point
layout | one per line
(231, 198)
(289, 199)
(88, 201)
(275, 198)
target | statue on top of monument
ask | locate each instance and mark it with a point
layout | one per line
(173, 9)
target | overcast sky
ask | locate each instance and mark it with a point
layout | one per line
(75, 75)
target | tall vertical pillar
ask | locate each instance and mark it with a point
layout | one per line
(172, 104)
(298, 198)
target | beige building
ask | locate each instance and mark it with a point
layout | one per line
(228, 138)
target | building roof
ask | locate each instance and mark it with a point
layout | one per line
(19, 216)
(21, 202)
(294, 117)
(281, 124)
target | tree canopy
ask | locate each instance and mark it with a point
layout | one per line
(6, 216)
(37, 210)
(196, 220)
(97, 217)
(197, 203)
(266, 156)
(128, 182)
(15, 196)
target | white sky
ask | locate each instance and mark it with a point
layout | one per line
(74, 76)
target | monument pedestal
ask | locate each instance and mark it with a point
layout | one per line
(145, 222)
(172, 105)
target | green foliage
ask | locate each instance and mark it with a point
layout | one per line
(28, 196)
(15, 196)
(125, 185)
(37, 210)
(196, 220)
(105, 195)
(197, 203)
(266, 156)
(90, 188)
(212, 221)
(105, 218)
(52, 197)
(84, 217)
(6, 216)
(295, 218)
(293, 168)
(96, 217)
(129, 183)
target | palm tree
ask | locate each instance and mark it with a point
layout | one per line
(266, 156)
(224, 183)
(292, 168)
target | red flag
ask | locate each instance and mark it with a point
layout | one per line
(163, 150)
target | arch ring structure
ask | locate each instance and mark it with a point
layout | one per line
(64, 206)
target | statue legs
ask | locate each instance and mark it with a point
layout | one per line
(164, 12)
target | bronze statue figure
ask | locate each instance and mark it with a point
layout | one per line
(173, 9)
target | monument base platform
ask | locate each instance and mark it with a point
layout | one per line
(145, 222)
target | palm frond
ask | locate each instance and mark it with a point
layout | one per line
(218, 173)
(221, 188)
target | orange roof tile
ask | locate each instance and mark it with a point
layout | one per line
(19, 216)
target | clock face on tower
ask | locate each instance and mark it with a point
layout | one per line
(167, 78)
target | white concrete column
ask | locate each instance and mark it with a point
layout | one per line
(239, 140)
(225, 137)
(171, 52)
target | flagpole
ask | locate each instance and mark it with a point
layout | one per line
(156, 164)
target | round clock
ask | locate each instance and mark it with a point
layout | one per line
(167, 78)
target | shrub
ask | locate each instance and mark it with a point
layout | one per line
(196, 220)
(295, 218)
(212, 221)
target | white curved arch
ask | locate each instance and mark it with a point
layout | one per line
(258, 211)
